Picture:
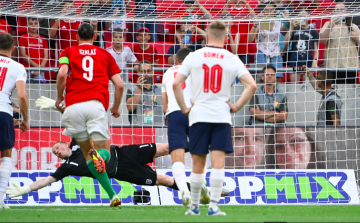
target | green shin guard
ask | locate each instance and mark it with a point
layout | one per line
(102, 178)
(105, 154)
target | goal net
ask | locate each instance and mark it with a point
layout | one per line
(296, 141)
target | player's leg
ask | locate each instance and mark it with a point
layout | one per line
(7, 141)
(199, 139)
(81, 121)
(178, 130)
(221, 144)
(162, 149)
(5, 173)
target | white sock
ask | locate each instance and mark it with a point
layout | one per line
(178, 170)
(216, 183)
(196, 183)
(5, 172)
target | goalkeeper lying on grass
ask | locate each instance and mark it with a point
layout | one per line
(127, 163)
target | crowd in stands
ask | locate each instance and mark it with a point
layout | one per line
(330, 42)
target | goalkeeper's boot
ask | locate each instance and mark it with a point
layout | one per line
(186, 199)
(225, 192)
(99, 162)
(3, 206)
(194, 210)
(205, 195)
(115, 201)
(211, 212)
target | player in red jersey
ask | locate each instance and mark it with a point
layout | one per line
(85, 71)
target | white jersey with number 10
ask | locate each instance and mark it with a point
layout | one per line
(212, 71)
(10, 73)
(167, 87)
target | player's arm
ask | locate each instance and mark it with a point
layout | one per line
(23, 104)
(177, 86)
(165, 101)
(250, 87)
(37, 185)
(119, 90)
(61, 83)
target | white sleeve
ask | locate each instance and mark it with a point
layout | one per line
(186, 66)
(22, 75)
(240, 68)
(163, 85)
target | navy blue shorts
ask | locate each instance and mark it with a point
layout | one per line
(178, 130)
(7, 131)
(215, 135)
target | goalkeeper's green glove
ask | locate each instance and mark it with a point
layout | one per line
(45, 103)
(17, 190)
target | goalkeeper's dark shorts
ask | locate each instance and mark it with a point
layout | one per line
(132, 162)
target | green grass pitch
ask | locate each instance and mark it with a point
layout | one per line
(293, 213)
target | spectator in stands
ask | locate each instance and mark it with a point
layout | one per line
(329, 111)
(65, 31)
(34, 50)
(249, 149)
(342, 38)
(293, 148)
(146, 9)
(180, 34)
(304, 41)
(267, 36)
(119, 10)
(232, 39)
(98, 8)
(241, 9)
(144, 50)
(122, 54)
(4, 25)
(269, 104)
(144, 101)
(194, 10)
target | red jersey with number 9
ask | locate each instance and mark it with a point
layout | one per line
(91, 68)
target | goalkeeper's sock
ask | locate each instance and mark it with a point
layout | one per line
(102, 178)
(5, 172)
(178, 170)
(105, 154)
(175, 187)
(196, 181)
(216, 182)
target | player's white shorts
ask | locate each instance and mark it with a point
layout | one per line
(86, 119)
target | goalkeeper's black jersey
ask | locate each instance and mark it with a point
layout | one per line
(75, 165)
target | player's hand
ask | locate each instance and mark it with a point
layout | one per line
(58, 104)
(17, 190)
(186, 110)
(16, 123)
(45, 103)
(24, 125)
(233, 108)
(115, 112)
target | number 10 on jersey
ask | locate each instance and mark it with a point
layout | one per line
(212, 78)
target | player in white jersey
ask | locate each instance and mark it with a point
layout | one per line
(12, 74)
(212, 70)
(178, 126)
